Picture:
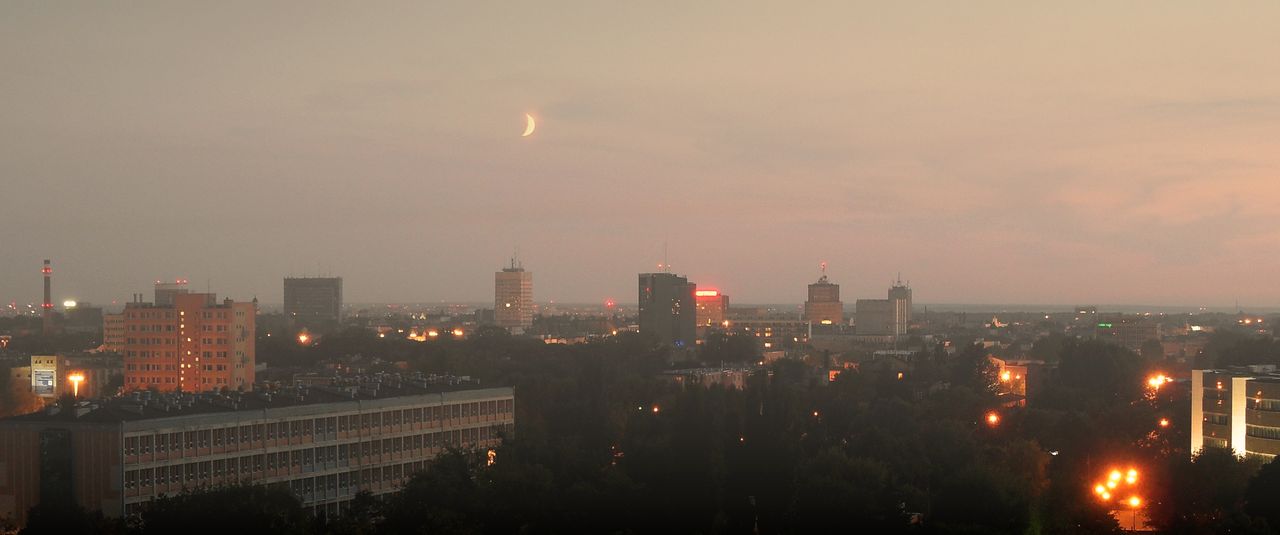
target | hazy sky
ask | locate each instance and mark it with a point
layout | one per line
(1112, 152)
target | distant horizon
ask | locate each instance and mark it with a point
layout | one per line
(998, 152)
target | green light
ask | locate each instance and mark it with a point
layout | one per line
(1104, 325)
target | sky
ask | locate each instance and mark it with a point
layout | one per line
(990, 152)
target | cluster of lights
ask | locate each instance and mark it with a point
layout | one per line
(1110, 489)
(1158, 380)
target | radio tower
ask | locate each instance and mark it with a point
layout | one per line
(47, 306)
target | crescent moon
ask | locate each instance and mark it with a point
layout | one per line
(528, 129)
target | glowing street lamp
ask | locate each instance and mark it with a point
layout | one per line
(993, 419)
(75, 378)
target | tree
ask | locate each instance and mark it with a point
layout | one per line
(232, 509)
(1262, 496)
(68, 519)
(444, 498)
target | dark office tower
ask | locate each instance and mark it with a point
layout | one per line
(46, 308)
(823, 306)
(313, 303)
(668, 309)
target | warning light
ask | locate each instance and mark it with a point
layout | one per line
(706, 293)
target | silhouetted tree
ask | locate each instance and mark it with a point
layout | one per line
(233, 509)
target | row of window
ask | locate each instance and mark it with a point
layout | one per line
(308, 459)
(1270, 405)
(324, 427)
(1219, 419)
(1259, 431)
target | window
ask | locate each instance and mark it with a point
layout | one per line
(1218, 419)
(1270, 433)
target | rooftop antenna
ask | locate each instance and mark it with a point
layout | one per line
(666, 267)
(823, 267)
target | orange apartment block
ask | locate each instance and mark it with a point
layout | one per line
(194, 345)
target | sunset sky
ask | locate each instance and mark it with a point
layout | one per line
(991, 152)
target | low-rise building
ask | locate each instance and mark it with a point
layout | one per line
(325, 444)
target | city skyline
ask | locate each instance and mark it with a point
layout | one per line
(995, 153)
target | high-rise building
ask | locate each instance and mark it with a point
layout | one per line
(324, 444)
(166, 292)
(668, 309)
(900, 294)
(513, 298)
(1238, 409)
(313, 303)
(885, 317)
(194, 345)
(823, 306)
(712, 308)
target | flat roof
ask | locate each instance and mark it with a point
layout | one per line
(370, 391)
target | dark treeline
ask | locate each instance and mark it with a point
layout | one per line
(604, 445)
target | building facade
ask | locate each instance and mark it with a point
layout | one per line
(513, 298)
(1237, 409)
(113, 333)
(885, 317)
(194, 345)
(713, 307)
(84, 376)
(823, 307)
(313, 303)
(668, 309)
(324, 445)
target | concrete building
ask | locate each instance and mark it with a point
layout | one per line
(113, 333)
(1238, 409)
(313, 303)
(713, 307)
(82, 318)
(513, 298)
(823, 307)
(85, 376)
(875, 317)
(885, 317)
(324, 444)
(668, 309)
(193, 345)
(166, 292)
(900, 295)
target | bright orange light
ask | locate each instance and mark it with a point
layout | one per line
(826, 322)
(899, 376)
(76, 379)
(457, 332)
(815, 414)
(1164, 422)
(1005, 376)
(433, 333)
(1099, 490)
(1135, 501)
(993, 419)
(1111, 484)
(1115, 475)
(706, 293)
(1106, 495)
(655, 409)
(303, 338)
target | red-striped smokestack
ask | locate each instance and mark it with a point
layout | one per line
(48, 298)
